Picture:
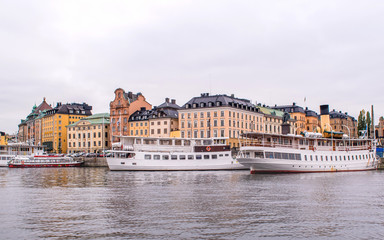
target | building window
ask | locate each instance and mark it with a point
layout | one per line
(222, 114)
(165, 131)
(202, 134)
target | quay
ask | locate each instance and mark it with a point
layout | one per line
(93, 161)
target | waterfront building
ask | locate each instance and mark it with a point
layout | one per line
(54, 122)
(165, 119)
(28, 130)
(342, 122)
(312, 122)
(219, 116)
(121, 108)
(89, 134)
(160, 121)
(273, 119)
(297, 113)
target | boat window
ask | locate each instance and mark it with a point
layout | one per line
(227, 155)
(156, 157)
(122, 162)
(268, 154)
(284, 156)
(326, 158)
(214, 156)
(321, 158)
(277, 155)
(353, 157)
(165, 157)
(298, 156)
(182, 157)
(187, 143)
(190, 157)
(349, 158)
(311, 157)
(259, 155)
(206, 156)
(292, 156)
(173, 157)
(178, 142)
(207, 142)
(363, 156)
(360, 157)
(305, 157)
(199, 157)
(221, 155)
(331, 158)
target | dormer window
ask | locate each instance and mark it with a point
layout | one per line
(218, 103)
(210, 104)
(202, 104)
(195, 105)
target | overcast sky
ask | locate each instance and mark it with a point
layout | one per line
(272, 52)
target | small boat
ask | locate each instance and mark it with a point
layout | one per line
(277, 153)
(11, 150)
(171, 154)
(43, 161)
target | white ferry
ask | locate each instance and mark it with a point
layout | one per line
(11, 150)
(154, 154)
(275, 153)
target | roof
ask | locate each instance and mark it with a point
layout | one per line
(339, 114)
(156, 113)
(96, 119)
(168, 104)
(290, 108)
(272, 112)
(206, 100)
(71, 108)
(311, 113)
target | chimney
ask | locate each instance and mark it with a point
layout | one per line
(294, 104)
(173, 101)
(232, 95)
(324, 117)
(167, 100)
(130, 95)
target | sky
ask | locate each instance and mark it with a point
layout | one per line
(271, 52)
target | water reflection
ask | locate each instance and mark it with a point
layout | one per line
(94, 203)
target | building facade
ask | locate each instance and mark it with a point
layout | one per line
(312, 122)
(90, 134)
(379, 130)
(342, 122)
(219, 116)
(30, 128)
(55, 121)
(273, 120)
(160, 121)
(121, 108)
(297, 113)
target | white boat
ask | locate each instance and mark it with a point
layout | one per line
(154, 154)
(273, 153)
(43, 161)
(10, 151)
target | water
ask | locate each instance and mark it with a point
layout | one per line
(94, 203)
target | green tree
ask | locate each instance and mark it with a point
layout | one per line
(368, 122)
(361, 122)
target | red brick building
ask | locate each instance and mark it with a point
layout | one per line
(121, 108)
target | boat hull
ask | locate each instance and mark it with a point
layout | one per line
(43, 165)
(121, 164)
(262, 165)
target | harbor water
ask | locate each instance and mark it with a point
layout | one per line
(95, 203)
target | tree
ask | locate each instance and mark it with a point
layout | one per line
(361, 122)
(368, 122)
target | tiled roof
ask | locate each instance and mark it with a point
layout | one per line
(71, 108)
(290, 108)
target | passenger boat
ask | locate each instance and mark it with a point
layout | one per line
(276, 153)
(43, 161)
(154, 154)
(11, 150)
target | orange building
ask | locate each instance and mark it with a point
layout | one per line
(121, 108)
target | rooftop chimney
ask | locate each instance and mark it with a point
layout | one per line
(167, 100)
(130, 95)
(173, 101)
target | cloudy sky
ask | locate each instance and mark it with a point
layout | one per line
(273, 52)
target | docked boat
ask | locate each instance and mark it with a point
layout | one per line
(11, 150)
(154, 154)
(43, 161)
(272, 153)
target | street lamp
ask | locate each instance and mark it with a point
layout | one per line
(349, 132)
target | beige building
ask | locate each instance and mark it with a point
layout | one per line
(157, 122)
(219, 116)
(342, 122)
(273, 120)
(90, 134)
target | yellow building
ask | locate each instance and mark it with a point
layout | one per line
(90, 134)
(139, 123)
(53, 124)
(312, 123)
(219, 116)
(298, 114)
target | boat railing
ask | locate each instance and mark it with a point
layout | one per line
(161, 148)
(304, 147)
